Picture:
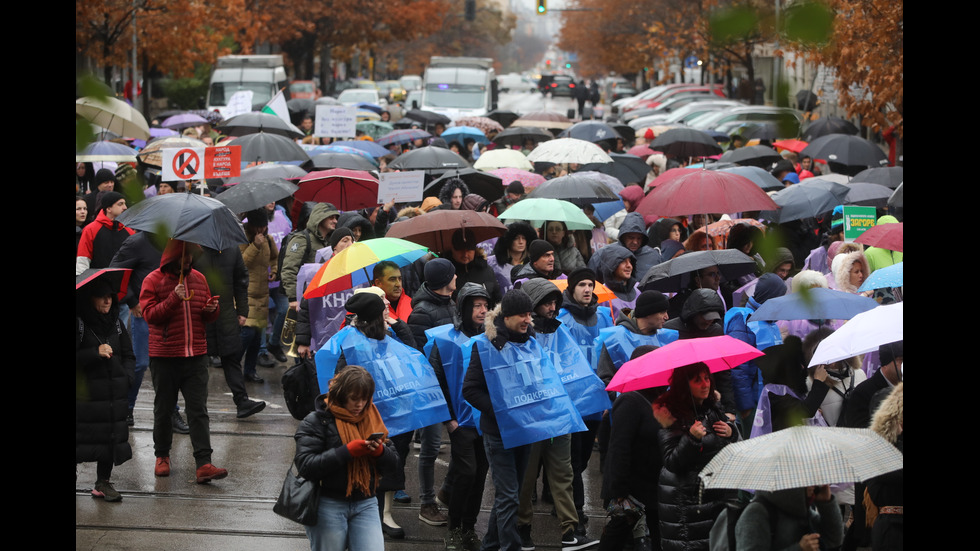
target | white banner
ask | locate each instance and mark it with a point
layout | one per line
(403, 187)
(335, 121)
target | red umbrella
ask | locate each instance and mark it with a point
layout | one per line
(653, 369)
(792, 145)
(346, 189)
(885, 236)
(684, 191)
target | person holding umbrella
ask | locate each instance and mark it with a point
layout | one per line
(103, 373)
(694, 429)
(177, 304)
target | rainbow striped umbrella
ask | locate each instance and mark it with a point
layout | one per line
(355, 264)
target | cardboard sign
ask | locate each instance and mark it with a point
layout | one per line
(196, 163)
(403, 187)
(857, 220)
(239, 102)
(335, 121)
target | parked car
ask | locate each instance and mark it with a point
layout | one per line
(411, 82)
(393, 90)
(353, 96)
(729, 118)
(713, 90)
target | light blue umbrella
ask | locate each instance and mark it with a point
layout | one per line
(460, 133)
(816, 303)
(367, 146)
(885, 278)
(106, 151)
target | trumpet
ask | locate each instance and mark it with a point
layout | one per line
(288, 338)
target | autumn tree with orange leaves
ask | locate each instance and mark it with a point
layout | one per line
(608, 35)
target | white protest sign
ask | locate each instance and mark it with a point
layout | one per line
(402, 187)
(181, 164)
(239, 102)
(335, 121)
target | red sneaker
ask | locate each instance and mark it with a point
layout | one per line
(162, 467)
(207, 473)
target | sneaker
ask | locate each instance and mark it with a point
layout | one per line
(105, 490)
(527, 544)
(442, 498)
(254, 378)
(179, 425)
(215, 361)
(249, 407)
(278, 354)
(430, 514)
(471, 542)
(162, 467)
(402, 497)
(130, 420)
(572, 542)
(207, 473)
(265, 360)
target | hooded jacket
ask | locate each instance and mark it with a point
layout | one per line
(177, 327)
(626, 291)
(258, 259)
(778, 520)
(616, 344)
(478, 271)
(646, 256)
(429, 310)
(584, 322)
(450, 187)
(297, 252)
(228, 279)
(842, 270)
(746, 378)
(882, 258)
(353, 220)
(99, 242)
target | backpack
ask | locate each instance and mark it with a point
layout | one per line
(285, 245)
(300, 388)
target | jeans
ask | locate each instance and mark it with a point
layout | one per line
(189, 376)
(556, 455)
(342, 524)
(251, 341)
(469, 476)
(431, 438)
(507, 469)
(141, 348)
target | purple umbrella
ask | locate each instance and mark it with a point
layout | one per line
(186, 120)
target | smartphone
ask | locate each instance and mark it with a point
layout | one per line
(376, 436)
(214, 298)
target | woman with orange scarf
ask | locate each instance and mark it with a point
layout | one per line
(334, 446)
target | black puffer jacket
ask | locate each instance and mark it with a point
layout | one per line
(228, 279)
(101, 388)
(321, 454)
(686, 517)
(479, 272)
(429, 310)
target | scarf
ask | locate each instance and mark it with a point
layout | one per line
(360, 470)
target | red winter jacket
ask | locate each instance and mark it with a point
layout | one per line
(176, 326)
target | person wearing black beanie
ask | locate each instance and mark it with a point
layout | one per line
(541, 262)
(340, 239)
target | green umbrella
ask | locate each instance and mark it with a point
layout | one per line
(375, 129)
(539, 211)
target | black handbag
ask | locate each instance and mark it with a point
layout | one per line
(299, 499)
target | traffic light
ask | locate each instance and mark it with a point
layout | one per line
(470, 8)
(542, 7)
(568, 65)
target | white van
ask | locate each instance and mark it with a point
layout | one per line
(264, 75)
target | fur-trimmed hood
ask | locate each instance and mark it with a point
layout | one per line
(890, 417)
(497, 333)
(842, 269)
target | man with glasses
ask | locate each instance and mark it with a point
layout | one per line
(705, 278)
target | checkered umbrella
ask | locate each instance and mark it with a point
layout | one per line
(802, 456)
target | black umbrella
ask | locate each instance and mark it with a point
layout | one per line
(349, 161)
(484, 184)
(517, 135)
(897, 200)
(591, 131)
(888, 176)
(505, 118)
(246, 196)
(578, 189)
(299, 107)
(828, 125)
(187, 217)
(628, 169)
(426, 158)
(674, 275)
(867, 195)
(753, 155)
(267, 171)
(265, 147)
(428, 118)
(806, 100)
(250, 123)
(845, 153)
(685, 142)
(810, 198)
(626, 131)
(118, 278)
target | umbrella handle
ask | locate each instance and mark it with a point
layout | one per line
(180, 278)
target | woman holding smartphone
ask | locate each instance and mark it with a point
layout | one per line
(341, 445)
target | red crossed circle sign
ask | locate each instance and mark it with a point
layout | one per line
(186, 164)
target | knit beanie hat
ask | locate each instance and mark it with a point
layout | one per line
(339, 234)
(438, 272)
(109, 198)
(257, 218)
(366, 306)
(769, 286)
(537, 248)
(650, 302)
(580, 275)
(515, 302)
(104, 175)
(888, 352)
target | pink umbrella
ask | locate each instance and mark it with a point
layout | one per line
(530, 180)
(653, 369)
(885, 236)
(642, 151)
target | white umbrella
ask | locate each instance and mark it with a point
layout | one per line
(864, 333)
(802, 456)
(568, 150)
(502, 158)
(113, 115)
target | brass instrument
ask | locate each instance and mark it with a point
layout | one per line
(288, 338)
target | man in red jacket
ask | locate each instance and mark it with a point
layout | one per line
(177, 303)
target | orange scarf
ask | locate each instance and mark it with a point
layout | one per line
(350, 428)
